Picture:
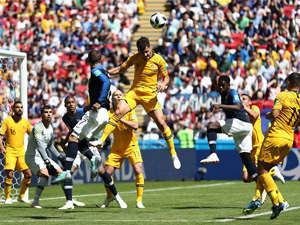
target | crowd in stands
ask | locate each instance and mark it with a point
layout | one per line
(254, 42)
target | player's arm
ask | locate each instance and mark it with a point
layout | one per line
(277, 107)
(164, 74)
(114, 71)
(235, 107)
(65, 141)
(2, 149)
(2, 132)
(253, 115)
(120, 69)
(132, 122)
(38, 137)
(273, 114)
(54, 151)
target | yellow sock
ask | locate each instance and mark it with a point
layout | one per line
(139, 183)
(259, 189)
(108, 192)
(24, 185)
(110, 126)
(169, 139)
(271, 188)
(279, 195)
(7, 187)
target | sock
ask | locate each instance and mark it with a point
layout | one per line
(88, 153)
(109, 183)
(42, 182)
(169, 139)
(24, 185)
(279, 195)
(259, 189)
(110, 126)
(212, 140)
(270, 186)
(249, 164)
(108, 192)
(67, 186)
(139, 183)
(71, 154)
(7, 187)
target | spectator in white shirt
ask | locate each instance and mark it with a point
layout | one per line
(49, 59)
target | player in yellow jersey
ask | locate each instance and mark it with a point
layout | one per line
(277, 143)
(125, 145)
(149, 67)
(14, 128)
(257, 139)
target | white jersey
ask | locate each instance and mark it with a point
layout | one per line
(42, 135)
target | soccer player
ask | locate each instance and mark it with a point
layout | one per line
(71, 118)
(253, 113)
(149, 67)
(125, 145)
(14, 128)
(41, 139)
(277, 143)
(237, 124)
(96, 116)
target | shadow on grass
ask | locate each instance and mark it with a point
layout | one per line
(205, 207)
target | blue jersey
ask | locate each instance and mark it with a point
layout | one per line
(230, 98)
(99, 87)
(71, 123)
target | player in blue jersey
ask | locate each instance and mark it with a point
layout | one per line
(237, 125)
(71, 118)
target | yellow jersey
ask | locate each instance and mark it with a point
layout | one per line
(14, 134)
(124, 136)
(146, 73)
(257, 135)
(289, 105)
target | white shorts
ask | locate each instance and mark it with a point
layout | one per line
(80, 157)
(91, 124)
(36, 163)
(240, 131)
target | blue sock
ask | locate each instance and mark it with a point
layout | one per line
(249, 164)
(71, 154)
(68, 187)
(89, 154)
(212, 140)
(83, 147)
(109, 183)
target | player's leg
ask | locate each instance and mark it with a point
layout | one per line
(158, 117)
(10, 163)
(212, 130)
(21, 166)
(109, 195)
(43, 177)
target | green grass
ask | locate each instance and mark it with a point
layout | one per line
(174, 202)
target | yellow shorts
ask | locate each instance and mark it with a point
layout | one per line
(116, 158)
(274, 150)
(145, 97)
(11, 162)
(254, 156)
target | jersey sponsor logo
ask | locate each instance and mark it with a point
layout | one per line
(97, 72)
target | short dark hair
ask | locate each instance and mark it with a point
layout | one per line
(45, 107)
(224, 78)
(142, 43)
(247, 96)
(294, 79)
(94, 56)
(68, 97)
(17, 102)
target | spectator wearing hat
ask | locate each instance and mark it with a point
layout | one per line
(242, 22)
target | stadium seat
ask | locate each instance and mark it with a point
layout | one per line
(288, 10)
(258, 103)
(81, 88)
(237, 37)
(268, 104)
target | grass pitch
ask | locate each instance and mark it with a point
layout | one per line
(172, 202)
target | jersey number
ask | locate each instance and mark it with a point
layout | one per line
(292, 116)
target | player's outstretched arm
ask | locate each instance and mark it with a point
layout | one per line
(2, 149)
(114, 71)
(130, 124)
(273, 114)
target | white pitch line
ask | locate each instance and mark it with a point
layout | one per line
(76, 220)
(150, 190)
(250, 216)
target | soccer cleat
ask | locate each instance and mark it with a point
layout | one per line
(64, 176)
(77, 203)
(286, 205)
(97, 143)
(23, 200)
(36, 206)
(251, 207)
(140, 205)
(107, 201)
(68, 205)
(212, 158)
(8, 201)
(263, 198)
(176, 162)
(276, 210)
(277, 174)
(96, 163)
(120, 201)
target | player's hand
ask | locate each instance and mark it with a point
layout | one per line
(160, 87)
(95, 107)
(3, 151)
(87, 108)
(215, 107)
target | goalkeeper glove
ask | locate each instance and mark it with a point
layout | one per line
(50, 168)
